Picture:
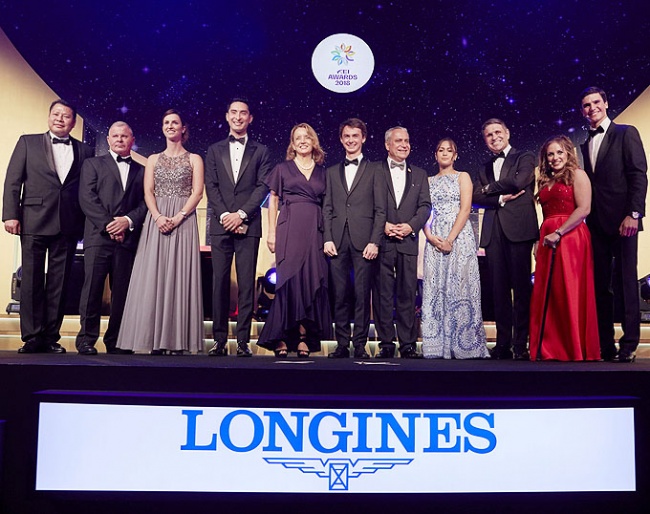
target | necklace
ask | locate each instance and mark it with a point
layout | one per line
(304, 168)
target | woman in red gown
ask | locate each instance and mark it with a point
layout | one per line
(571, 327)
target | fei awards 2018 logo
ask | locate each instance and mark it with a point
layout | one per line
(342, 63)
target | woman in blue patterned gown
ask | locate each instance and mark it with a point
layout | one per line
(452, 324)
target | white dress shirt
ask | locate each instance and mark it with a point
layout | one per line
(63, 157)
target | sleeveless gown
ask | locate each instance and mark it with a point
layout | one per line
(571, 326)
(452, 323)
(301, 294)
(164, 309)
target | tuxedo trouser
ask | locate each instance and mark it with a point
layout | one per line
(509, 264)
(245, 250)
(113, 261)
(396, 286)
(349, 260)
(42, 299)
(616, 281)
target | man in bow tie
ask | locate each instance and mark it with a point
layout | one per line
(354, 215)
(111, 194)
(615, 162)
(505, 188)
(408, 205)
(41, 205)
(235, 169)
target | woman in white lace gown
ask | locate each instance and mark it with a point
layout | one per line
(452, 324)
(164, 309)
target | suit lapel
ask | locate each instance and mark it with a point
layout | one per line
(389, 181)
(47, 150)
(249, 150)
(507, 164)
(224, 149)
(344, 182)
(604, 146)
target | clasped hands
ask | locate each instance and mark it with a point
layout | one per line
(398, 230)
(439, 244)
(232, 222)
(117, 228)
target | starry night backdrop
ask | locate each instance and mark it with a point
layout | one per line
(441, 68)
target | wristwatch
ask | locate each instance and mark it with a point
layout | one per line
(242, 215)
(635, 215)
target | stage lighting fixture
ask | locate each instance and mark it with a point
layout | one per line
(265, 294)
(644, 288)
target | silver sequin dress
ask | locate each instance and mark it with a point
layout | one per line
(452, 324)
(164, 309)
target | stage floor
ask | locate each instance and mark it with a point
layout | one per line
(332, 383)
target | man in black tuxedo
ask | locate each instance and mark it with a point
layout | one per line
(615, 162)
(408, 207)
(41, 205)
(354, 214)
(505, 189)
(111, 195)
(234, 181)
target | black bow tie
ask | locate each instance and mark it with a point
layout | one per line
(400, 165)
(124, 159)
(599, 130)
(500, 154)
(354, 161)
(234, 139)
(56, 140)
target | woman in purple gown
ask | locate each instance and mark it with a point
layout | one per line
(300, 316)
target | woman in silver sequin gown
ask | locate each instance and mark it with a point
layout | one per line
(164, 310)
(452, 324)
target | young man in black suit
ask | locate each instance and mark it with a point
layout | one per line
(408, 207)
(111, 195)
(41, 205)
(235, 169)
(505, 189)
(615, 162)
(354, 215)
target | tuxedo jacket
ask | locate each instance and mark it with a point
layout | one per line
(362, 208)
(103, 198)
(620, 181)
(414, 208)
(33, 193)
(224, 195)
(518, 218)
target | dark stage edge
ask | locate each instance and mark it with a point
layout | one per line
(317, 382)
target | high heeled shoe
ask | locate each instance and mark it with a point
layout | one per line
(281, 353)
(303, 354)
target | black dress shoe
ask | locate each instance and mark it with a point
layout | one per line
(341, 352)
(503, 354)
(55, 348)
(243, 350)
(30, 347)
(218, 350)
(609, 355)
(86, 349)
(410, 353)
(118, 351)
(626, 356)
(385, 353)
(521, 355)
(361, 353)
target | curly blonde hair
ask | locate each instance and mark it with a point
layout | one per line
(546, 173)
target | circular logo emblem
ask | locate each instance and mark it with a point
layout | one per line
(342, 63)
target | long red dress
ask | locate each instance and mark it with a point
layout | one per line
(571, 328)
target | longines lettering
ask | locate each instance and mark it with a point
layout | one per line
(329, 432)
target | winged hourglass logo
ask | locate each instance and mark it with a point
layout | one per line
(338, 471)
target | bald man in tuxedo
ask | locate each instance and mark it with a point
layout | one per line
(111, 195)
(41, 205)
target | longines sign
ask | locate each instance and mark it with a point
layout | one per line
(218, 449)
